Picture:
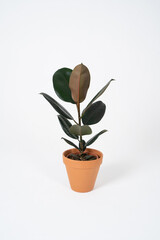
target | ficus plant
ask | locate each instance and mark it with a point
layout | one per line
(72, 86)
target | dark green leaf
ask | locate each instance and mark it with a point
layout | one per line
(70, 143)
(98, 95)
(61, 84)
(74, 156)
(65, 124)
(89, 142)
(90, 157)
(58, 107)
(94, 113)
(80, 130)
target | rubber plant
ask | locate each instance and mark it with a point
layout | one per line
(72, 86)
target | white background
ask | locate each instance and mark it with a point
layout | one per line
(114, 39)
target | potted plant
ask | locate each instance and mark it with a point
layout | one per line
(82, 163)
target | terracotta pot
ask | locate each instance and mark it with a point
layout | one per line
(82, 174)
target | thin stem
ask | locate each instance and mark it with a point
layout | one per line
(78, 109)
(79, 120)
(75, 122)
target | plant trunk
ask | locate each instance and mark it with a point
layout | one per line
(79, 120)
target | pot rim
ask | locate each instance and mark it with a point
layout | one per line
(82, 164)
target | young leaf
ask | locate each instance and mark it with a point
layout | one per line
(79, 83)
(80, 130)
(89, 142)
(94, 113)
(61, 84)
(58, 107)
(70, 143)
(65, 124)
(98, 95)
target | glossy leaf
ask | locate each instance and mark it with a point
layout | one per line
(94, 113)
(80, 130)
(70, 143)
(65, 124)
(90, 157)
(93, 139)
(58, 107)
(61, 84)
(79, 83)
(98, 95)
(74, 156)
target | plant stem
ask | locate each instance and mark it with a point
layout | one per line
(75, 122)
(79, 120)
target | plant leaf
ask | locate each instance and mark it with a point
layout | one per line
(65, 124)
(70, 143)
(94, 113)
(58, 107)
(90, 157)
(74, 156)
(61, 84)
(98, 95)
(80, 130)
(79, 83)
(89, 142)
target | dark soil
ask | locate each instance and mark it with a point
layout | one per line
(81, 157)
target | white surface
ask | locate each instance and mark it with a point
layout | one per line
(115, 39)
